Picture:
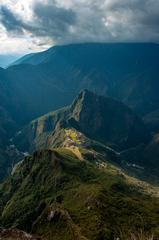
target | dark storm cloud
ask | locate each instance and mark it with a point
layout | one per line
(13, 23)
(91, 20)
(142, 11)
(52, 20)
(141, 18)
(10, 21)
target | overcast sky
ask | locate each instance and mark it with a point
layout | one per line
(33, 25)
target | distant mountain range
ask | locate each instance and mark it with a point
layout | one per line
(6, 60)
(49, 80)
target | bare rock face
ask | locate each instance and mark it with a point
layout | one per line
(15, 234)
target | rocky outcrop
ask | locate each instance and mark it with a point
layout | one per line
(15, 234)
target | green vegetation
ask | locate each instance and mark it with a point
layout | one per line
(52, 193)
(76, 189)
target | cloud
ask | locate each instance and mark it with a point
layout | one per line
(106, 20)
(11, 22)
(138, 19)
(48, 22)
(52, 20)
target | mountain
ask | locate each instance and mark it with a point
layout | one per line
(54, 194)
(111, 69)
(99, 118)
(35, 58)
(6, 60)
(127, 72)
(52, 79)
(145, 159)
(99, 124)
(22, 60)
(8, 126)
(75, 182)
(7, 123)
(49, 80)
(152, 121)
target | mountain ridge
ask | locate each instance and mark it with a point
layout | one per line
(49, 51)
(99, 118)
(75, 183)
(96, 124)
(59, 194)
(115, 70)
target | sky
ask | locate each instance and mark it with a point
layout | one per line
(34, 25)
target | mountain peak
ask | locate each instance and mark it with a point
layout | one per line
(108, 120)
(83, 96)
(85, 93)
(99, 118)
